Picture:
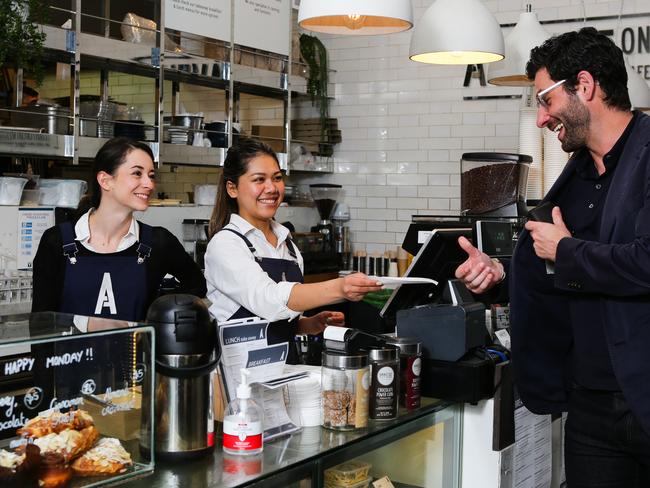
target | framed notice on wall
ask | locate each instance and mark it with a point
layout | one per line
(210, 18)
(263, 24)
(32, 222)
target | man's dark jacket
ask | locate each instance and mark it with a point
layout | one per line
(616, 268)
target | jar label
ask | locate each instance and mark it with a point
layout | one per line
(410, 384)
(365, 380)
(386, 375)
(240, 435)
(417, 367)
(383, 391)
(361, 411)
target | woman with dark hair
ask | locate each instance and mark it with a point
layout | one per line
(108, 264)
(252, 267)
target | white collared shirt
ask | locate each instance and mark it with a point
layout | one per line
(82, 234)
(235, 279)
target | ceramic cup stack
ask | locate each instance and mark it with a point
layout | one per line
(530, 143)
(554, 159)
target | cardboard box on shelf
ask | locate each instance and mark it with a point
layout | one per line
(273, 135)
(319, 138)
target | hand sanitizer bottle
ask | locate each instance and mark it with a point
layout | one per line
(242, 423)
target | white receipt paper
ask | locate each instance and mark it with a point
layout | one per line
(403, 280)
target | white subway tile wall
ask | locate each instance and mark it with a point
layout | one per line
(404, 125)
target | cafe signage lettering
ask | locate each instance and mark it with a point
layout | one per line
(636, 41)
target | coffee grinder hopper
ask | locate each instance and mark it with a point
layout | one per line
(325, 196)
(494, 184)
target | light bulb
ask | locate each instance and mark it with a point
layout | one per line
(354, 21)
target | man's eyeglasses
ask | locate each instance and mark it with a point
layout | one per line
(541, 100)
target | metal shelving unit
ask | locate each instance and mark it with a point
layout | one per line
(88, 51)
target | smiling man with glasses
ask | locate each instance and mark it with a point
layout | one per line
(541, 100)
(581, 333)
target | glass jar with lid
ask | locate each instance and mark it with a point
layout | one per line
(410, 356)
(384, 382)
(344, 389)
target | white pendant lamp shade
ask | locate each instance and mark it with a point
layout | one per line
(637, 88)
(457, 32)
(355, 17)
(527, 34)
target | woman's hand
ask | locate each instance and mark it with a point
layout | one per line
(355, 286)
(316, 323)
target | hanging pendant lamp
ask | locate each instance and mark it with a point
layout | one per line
(457, 32)
(355, 17)
(527, 34)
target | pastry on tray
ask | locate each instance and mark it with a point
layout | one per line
(18, 469)
(63, 447)
(54, 475)
(55, 422)
(107, 457)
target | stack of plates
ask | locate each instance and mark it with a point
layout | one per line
(177, 135)
(530, 143)
(105, 114)
(555, 159)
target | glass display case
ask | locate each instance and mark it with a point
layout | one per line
(418, 449)
(74, 387)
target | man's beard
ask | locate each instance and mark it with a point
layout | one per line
(576, 119)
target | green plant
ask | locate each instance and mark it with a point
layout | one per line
(21, 40)
(314, 54)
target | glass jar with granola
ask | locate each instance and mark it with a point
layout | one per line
(344, 387)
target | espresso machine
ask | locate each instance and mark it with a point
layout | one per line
(325, 196)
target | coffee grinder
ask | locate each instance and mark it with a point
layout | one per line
(325, 196)
(341, 235)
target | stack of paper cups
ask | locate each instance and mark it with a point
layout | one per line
(555, 159)
(302, 398)
(530, 143)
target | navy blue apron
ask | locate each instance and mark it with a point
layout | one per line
(105, 285)
(278, 270)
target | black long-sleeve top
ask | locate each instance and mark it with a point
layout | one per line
(167, 257)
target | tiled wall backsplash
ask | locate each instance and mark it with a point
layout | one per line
(404, 125)
(178, 181)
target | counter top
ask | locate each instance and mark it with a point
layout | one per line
(302, 455)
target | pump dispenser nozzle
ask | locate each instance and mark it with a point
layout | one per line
(244, 389)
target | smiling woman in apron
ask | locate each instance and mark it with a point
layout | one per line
(252, 266)
(108, 264)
